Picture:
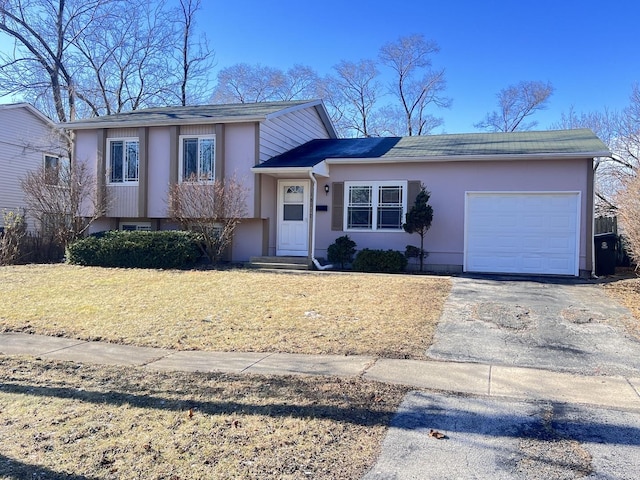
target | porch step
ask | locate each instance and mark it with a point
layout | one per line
(279, 263)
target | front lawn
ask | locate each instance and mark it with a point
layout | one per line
(231, 310)
(60, 420)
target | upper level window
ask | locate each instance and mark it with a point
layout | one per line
(375, 205)
(197, 158)
(52, 169)
(123, 160)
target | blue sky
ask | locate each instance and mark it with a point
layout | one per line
(589, 50)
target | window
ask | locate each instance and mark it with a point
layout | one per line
(197, 158)
(136, 227)
(375, 205)
(123, 160)
(51, 169)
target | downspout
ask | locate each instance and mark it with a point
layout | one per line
(313, 225)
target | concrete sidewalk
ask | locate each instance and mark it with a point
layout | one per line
(470, 378)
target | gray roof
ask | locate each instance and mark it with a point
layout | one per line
(201, 114)
(582, 143)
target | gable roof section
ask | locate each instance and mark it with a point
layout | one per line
(582, 143)
(200, 114)
(31, 109)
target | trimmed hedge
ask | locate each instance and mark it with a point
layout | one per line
(161, 249)
(379, 261)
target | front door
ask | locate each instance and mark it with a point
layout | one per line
(293, 218)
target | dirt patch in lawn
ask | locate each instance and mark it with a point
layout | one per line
(627, 292)
(232, 310)
(59, 419)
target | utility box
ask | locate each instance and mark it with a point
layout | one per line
(605, 253)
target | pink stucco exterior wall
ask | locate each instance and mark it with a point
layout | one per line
(448, 182)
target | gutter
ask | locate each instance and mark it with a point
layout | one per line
(313, 225)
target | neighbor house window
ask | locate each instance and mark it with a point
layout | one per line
(52, 169)
(375, 205)
(197, 158)
(123, 160)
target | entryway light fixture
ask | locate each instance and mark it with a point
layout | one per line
(326, 189)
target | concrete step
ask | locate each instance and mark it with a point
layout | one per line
(279, 263)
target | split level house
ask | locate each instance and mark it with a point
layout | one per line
(503, 202)
(29, 140)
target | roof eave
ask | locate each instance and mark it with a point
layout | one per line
(320, 169)
(471, 158)
(162, 123)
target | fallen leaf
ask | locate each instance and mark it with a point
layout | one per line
(436, 434)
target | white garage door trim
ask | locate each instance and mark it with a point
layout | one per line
(522, 232)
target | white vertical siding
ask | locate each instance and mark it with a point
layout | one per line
(122, 201)
(197, 130)
(287, 131)
(122, 132)
(24, 140)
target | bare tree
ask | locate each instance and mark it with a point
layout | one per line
(196, 57)
(606, 125)
(244, 83)
(515, 104)
(79, 58)
(212, 209)
(417, 86)
(359, 91)
(63, 199)
(628, 212)
(39, 65)
(627, 157)
(12, 235)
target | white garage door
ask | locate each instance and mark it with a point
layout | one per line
(531, 233)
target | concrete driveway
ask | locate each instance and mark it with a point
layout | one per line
(569, 327)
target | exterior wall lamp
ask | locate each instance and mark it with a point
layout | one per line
(326, 189)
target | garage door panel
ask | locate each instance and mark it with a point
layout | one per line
(534, 233)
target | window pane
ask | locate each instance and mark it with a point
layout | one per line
(359, 217)
(116, 161)
(390, 218)
(190, 159)
(360, 195)
(51, 170)
(132, 161)
(294, 194)
(390, 195)
(293, 213)
(206, 159)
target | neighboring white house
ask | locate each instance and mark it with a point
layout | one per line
(28, 141)
(503, 202)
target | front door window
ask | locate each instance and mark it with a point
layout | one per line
(293, 203)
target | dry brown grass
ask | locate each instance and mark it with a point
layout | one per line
(627, 292)
(78, 422)
(232, 310)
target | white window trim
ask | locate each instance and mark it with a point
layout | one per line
(375, 189)
(124, 181)
(181, 139)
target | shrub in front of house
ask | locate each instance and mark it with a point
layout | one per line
(341, 251)
(379, 261)
(163, 249)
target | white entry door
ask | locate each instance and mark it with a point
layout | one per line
(293, 218)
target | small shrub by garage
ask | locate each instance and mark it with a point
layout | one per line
(380, 261)
(166, 249)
